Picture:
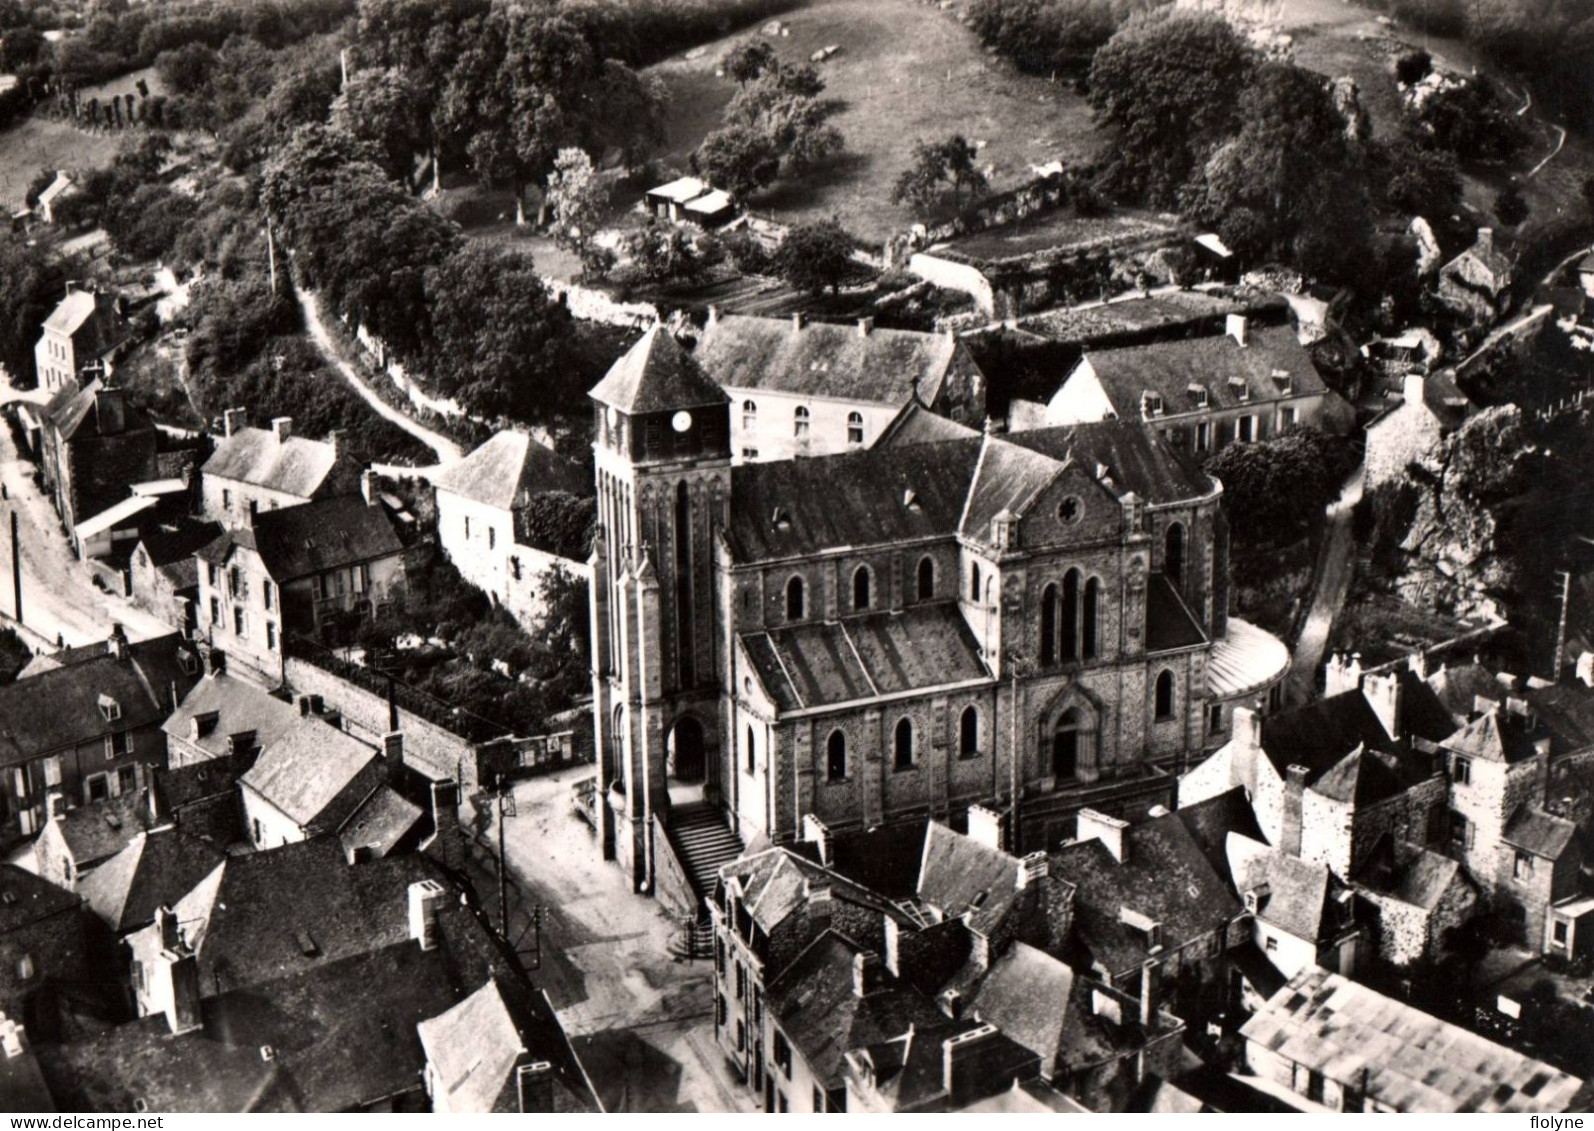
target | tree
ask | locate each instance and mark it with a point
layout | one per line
(1510, 206)
(560, 523)
(144, 155)
(664, 255)
(1588, 194)
(1169, 82)
(579, 197)
(1272, 488)
(498, 342)
(748, 61)
(934, 164)
(1420, 178)
(31, 283)
(21, 48)
(815, 255)
(384, 109)
(1412, 67)
(737, 159)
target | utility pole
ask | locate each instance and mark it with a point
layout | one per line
(16, 566)
(271, 257)
(503, 877)
(1560, 628)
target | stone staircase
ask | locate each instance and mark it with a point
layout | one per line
(702, 843)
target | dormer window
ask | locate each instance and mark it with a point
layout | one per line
(110, 708)
(1284, 381)
(1150, 404)
(1241, 389)
(1199, 395)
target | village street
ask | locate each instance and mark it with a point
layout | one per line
(642, 1021)
(60, 602)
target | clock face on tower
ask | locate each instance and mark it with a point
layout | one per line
(681, 421)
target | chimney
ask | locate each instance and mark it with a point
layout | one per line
(1419, 664)
(215, 660)
(10, 1038)
(1384, 695)
(110, 411)
(173, 986)
(1148, 995)
(426, 903)
(317, 704)
(1108, 830)
(713, 314)
(282, 427)
(1412, 388)
(116, 645)
(867, 974)
(1290, 821)
(368, 488)
(817, 833)
(1105, 1005)
(962, 1066)
(892, 935)
(233, 420)
(534, 1085)
(1247, 726)
(1032, 870)
(303, 703)
(865, 327)
(1238, 327)
(55, 804)
(951, 1004)
(986, 827)
(393, 747)
(1485, 240)
(1256, 897)
(446, 844)
(335, 441)
(798, 320)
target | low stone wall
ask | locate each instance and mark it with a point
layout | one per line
(596, 306)
(670, 883)
(954, 276)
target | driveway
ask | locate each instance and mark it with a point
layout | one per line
(1336, 562)
(642, 1021)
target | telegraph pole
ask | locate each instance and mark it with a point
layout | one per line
(271, 257)
(503, 877)
(16, 566)
(1560, 628)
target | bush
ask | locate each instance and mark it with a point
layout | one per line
(1413, 67)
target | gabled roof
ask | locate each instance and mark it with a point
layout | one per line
(1028, 995)
(1169, 369)
(1399, 1056)
(1297, 893)
(295, 466)
(1362, 777)
(311, 771)
(830, 662)
(1494, 736)
(175, 543)
(224, 705)
(505, 471)
(99, 830)
(91, 322)
(916, 424)
(299, 541)
(473, 1049)
(778, 881)
(1533, 830)
(382, 820)
(1483, 252)
(1409, 873)
(1319, 734)
(1211, 822)
(1169, 623)
(1134, 457)
(26, 898)
(1165, 878)
(823, 360)
(157, 868)
(656, 375)
(1007, 480)
(959, 876)
(75, 410)
(55, 188)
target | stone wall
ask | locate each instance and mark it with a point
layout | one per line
(670, 883)
(953, 276)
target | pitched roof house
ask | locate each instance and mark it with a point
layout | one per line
(84, 332)
(1474, 283)
(1432, 407)
(224, 714)
(95, 446)
(155, 869)
(257, 469)
(313, 779)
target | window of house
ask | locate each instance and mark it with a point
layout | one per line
(819, 1099)
(126, 779)
(492, 538)
(719, 956)
(467, 526)
(836, 756)
(119, 744)
(855, 428)
(268, 593)
(226, 497)
(902, 745)
(235, 581)
(1215, 718)
(1286, 418)
(751, 751)
(1245, 429)
(794, 599)
(1460, 769)
(782, 1053)
(1162, 700)
(271, 636)
(514, 567)
(1270, 944)
(1203, 436)
(1558, 932)
(749, 415)
(860, 588)
(741, 981)
(926, 579)
(238, 621)
(1069, 510)
(1522, 868)
(110, 709)
(969, 732)
(974, 581)
(1460, 830)
(211, 573)
(97, 787)
(749, 453)
(800, 420)
(741, 1036)
(721, 1010)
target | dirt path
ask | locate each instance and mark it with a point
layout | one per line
(447, 451)
(1335, 564)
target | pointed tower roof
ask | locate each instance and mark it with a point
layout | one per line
(656, 375)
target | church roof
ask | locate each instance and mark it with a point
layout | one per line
(823, 664)
(656, 375)
(1130, 452)
(1007, 478)
(916, 424)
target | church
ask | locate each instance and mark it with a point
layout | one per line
(1034, 622)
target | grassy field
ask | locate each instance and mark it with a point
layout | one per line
(42, 142)
(905, 71)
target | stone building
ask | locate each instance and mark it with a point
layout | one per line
(42, 942)
(893, 633)
(94, 446)
(254, 470)
(1474, 283)
(1432, 407)
(83, 334)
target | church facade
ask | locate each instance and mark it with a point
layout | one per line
(944, 619)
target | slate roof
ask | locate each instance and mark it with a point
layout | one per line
(473, 1049)
(73, 410)
(1409, 1060)
(1362, 777)
(226, 705)
(1485, 253)
(1170, 368)
(506, 470)
(100, 829)
(183, 785)
(792, 508)
(296, 466)
(174, 545)
(884, 859)
(381, 822)
(778, 881)
(156, 868)
(300, 541)
(908, 1071)
(1135, 457)
(1257, 968)
(656, 375)
(1166, 878)
(1536, 831)
(830, 662)
(315, 773)
(1210, 823)
(821, 1016)
(1319, 734)
(1493, 736)
(1567, 709)
(1028, 995)
(1410, 873)
(1169, 622)
(1008, 479)
(26, 898)
(960, 876)
(1297, 899)
(916, 424)
(91, 322)
(820, 359)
